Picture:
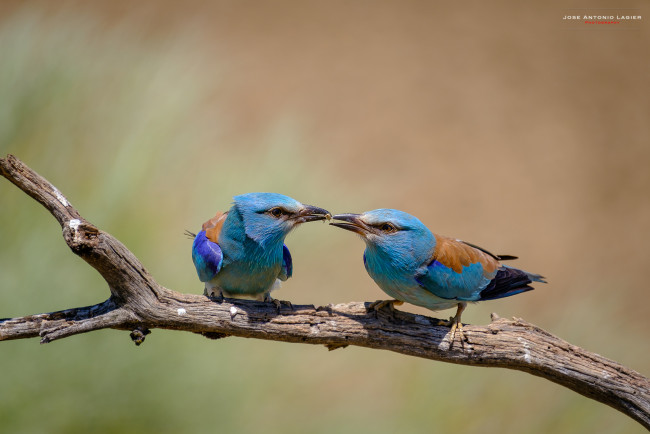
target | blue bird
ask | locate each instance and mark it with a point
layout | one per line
(241, 253)
(413, 265)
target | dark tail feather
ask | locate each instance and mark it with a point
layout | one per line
(497, 257)
(493, 295)
(190, 235)
(507, 257)
(509, 281)
(532, 276)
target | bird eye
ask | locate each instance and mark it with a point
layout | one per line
(276, 212)
(388, 228)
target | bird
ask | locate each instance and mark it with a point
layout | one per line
(412, 264)
(241, 253)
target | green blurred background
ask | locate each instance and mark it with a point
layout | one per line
(492, 123)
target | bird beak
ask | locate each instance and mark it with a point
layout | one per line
(312, 213)
(351, 222)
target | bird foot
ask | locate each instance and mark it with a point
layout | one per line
(214, 293)
(380, 304)
(278, 303)
(456, 326)
(376, 306)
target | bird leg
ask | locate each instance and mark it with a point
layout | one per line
(456, 325)
(376, 306)
(278, 303)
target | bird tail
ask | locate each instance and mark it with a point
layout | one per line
(509, 281)
(507, 257)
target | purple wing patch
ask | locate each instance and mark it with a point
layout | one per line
(287, 264)
(207, 257)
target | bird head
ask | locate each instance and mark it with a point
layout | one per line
(269, 217)
(393, 232)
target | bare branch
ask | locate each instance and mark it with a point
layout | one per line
(139, 303)
(73, 321)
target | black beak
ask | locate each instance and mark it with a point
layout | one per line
(351, 222)
(311, 214)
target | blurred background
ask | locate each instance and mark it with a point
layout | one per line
(494, 124)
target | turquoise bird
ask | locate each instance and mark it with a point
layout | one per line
(241, 253)
(411, 264)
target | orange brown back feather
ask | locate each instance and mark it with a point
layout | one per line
(213, 226)
(456, 254)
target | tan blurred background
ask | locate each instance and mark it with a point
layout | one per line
(492, 123)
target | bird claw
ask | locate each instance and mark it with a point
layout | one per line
(376, 306)
(456, 327)
(212, 293)
(278, 303)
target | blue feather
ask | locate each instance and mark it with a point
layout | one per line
(402, 256)
(250, 255)
(445, 283)
(207, 257)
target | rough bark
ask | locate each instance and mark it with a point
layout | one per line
(138, 303)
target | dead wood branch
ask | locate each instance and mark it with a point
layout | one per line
(138, 303)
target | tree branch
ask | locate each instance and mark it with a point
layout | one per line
(138, 303)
